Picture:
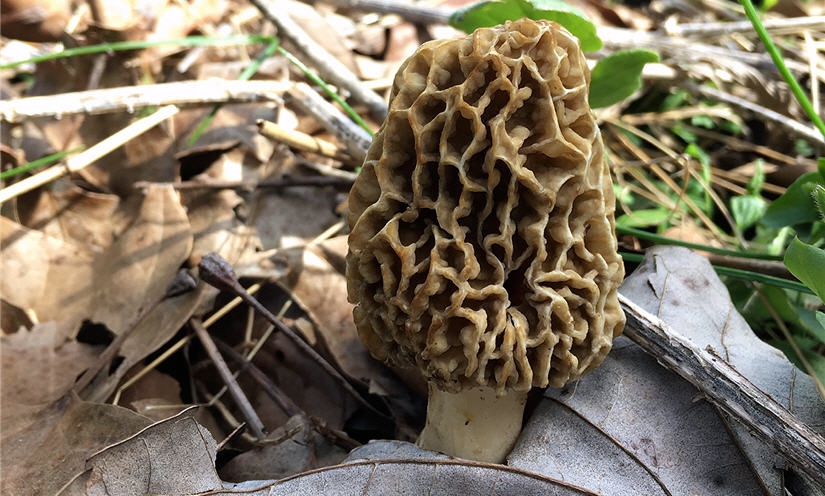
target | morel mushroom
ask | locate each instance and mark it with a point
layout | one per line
(482, 245)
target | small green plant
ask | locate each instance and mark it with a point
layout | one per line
(801, 210)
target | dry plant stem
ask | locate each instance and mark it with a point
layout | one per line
(132, 98)
(217, 272)
(303, 141)
(423, 14)
(779, 26)
(725, 387)
(686, 50)
(131, 381)
(283, 401)
(87, 157)
(354, 138)
(328, 170)
(767, 267)
(794, 127)
(329, 68)
(473, 423)
(238, 395)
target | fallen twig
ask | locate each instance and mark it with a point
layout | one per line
(793, 126)
(280, 398)
(132, 98)
(779, 26)
(89, 156)
(732, 392)
(238, 395)
(419, 13)
(354, 138)
(330, 68)
(302, 141)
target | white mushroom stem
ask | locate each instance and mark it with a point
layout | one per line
(474, 423)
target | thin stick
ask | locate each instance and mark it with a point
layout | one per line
(216, 271)
(729, 390)
(330, 68)
(132, 98)
(354, 138)
(238, 395)
(180, 344)
(686, 50)
(271, 389)
(87, 157)
(421, 13)
(784, 25)
(795, 127)
(303, 141)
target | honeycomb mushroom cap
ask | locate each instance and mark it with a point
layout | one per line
(482, 245)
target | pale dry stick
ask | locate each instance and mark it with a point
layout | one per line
(280, 398)
(87, 157)
(726, 388)
(614, 38)
(779, 26)
(794, 127)
(742, 145)
(235, 391)
(687, 51)
(329, 68)
(416, 13)
(303, 141)
(327, 170)
(356, 140)
(132, 98)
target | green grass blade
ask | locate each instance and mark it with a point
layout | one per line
(244, 76)
(189, 41)
(779, 62)
(664, 240)
(48, 159)
(324, 86)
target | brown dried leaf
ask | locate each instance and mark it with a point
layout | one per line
(34, 20)
(44, 275)
(321, 291)
(38, 367)
(43, 457)
(295, 447)
(72, 214)
(136, 269)
(173, 456)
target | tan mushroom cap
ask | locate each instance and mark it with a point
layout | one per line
(482, 245)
